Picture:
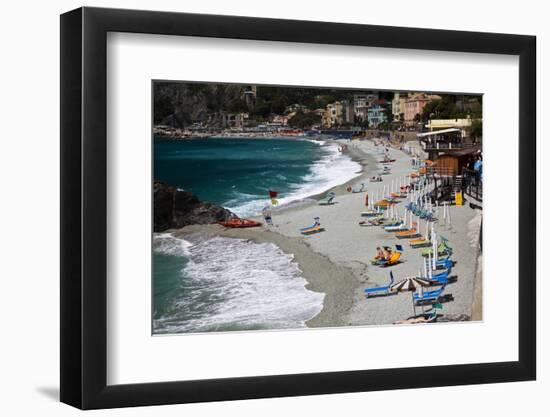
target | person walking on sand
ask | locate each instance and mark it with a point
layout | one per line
(267, 215)
(366, 199)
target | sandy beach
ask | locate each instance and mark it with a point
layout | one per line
(336, 262)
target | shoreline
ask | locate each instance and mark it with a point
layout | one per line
(336, 262)
(339, 283)
(322, 275)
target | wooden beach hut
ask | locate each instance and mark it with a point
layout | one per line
(452, 162)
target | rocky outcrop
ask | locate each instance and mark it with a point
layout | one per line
(173, 209)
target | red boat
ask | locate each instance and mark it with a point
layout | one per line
(240, 223)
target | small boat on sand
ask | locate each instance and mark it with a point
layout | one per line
(240, 223)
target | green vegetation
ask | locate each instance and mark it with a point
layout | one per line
(476, 131)
(303, 120)
(163, 108)
(448, 108)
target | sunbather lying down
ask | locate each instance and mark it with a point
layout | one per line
(417, 320)
(383, 254)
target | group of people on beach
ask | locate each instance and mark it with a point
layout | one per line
(383, 253)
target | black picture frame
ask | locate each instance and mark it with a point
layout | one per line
(84, 207)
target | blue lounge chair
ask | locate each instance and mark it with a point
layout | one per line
(428, 296)
(314, 228)
(328, 199)
(441, 279)
(379, 290)
(446, 263)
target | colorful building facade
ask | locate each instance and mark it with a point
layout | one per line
(376, 115)
(414, 105)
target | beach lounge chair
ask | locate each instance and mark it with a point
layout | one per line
(446, 263)
(442, 250)
(407, 234)
(396, 228)
(419, 243)
(385, 290)
(370, 213)
(373, 221)
(384, 203)
(314, 228)
(328, 200)
(356, 190)
(441, 277)
(394, 222)
(428, 296)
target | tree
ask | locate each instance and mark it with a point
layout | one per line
(303, 120)
(476, 130)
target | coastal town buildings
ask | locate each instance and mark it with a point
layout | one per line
(361, 104)
(234, 120)
(280, 120)
(398, 107)
(326, 119)
(333, 115)
(414, 105)
(376, 115)
(348, 114)
(293, 108)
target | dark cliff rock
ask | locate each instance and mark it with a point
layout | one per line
(179, 105)
(173, 209)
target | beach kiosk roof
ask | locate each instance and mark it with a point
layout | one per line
(438, 132)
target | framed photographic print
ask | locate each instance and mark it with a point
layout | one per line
(257, 208)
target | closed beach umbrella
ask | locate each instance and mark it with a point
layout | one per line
(411, 284)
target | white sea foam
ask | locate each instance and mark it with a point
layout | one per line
(237, 284)
(331, 170)
(167, 244)
(316, 141)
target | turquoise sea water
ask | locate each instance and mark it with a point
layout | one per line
(238, 173)
(222, 284)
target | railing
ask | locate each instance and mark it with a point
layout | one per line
(440, 171)
(444, 146)
(472, 184)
